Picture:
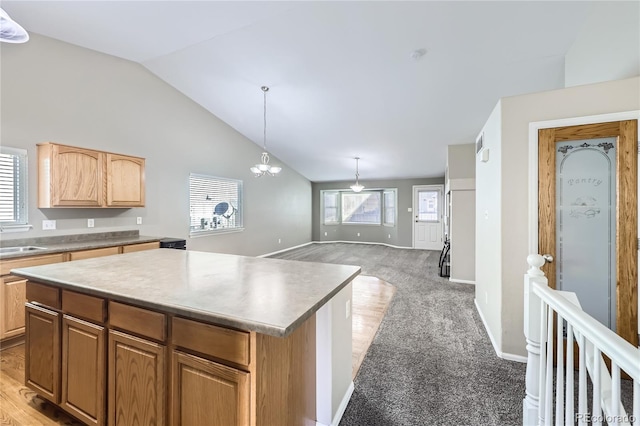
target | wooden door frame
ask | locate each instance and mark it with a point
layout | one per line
(631, 335)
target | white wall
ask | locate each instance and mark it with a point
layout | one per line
(608, 45)
(509, 240)
(54, 91)
(489, 231)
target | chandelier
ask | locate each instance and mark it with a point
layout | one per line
(356, 187)
(264, 168)
(10, 30)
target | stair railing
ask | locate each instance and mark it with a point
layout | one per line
(546, 403)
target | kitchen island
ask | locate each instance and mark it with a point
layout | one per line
(178, 337)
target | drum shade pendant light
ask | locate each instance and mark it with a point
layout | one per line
(10, 30)
(356, 187)
(264, 168)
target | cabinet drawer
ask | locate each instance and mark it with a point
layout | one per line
(88, 254)
(138, 321)
(218, 342)
(43, 295)
(83, 306)
(140, 247)
(7, 265)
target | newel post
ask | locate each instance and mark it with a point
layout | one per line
(531, 401)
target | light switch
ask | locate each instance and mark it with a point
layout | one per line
(409, 209)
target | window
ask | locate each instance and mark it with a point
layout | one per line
(330, 203)
(13, 189)
(362, 207)
(389, 208)
(428, 206)
(215, 204)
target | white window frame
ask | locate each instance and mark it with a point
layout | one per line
(336, 195)
(20, 196)
(212, 228)
(394, 194)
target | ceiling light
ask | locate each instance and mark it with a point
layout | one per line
(264, 168)
(356, 187)
(10, 30)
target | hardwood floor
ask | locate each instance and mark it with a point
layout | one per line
(371, 298)
(19, 406)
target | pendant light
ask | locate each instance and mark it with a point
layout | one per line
(10, 30)
(264, 168)
(356, 187)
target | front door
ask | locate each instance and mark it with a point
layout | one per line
(427, 209)
(588, 218)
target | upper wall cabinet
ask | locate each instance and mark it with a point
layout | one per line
(77, 177)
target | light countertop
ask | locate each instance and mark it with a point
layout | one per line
(269, 296)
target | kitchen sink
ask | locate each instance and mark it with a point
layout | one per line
(20, 249)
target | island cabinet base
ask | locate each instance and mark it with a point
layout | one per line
(108, 362)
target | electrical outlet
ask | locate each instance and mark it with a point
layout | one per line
(325, 233)
(90, 223)
(389, 235)
(358, 234)
(138, 220)
(48, 225)
(279, 240)
(347, 309)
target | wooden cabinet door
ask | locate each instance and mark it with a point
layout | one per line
(83, 370)
(136, 381)
(207, 393)
(125, 181)
(42, 352)
(12, 298)
(90, 254)
(140, 247)
(76, 177)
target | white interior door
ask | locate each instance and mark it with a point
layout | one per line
(427, 210)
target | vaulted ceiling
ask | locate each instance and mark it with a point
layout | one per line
(346, 78)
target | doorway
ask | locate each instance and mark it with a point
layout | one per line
(588, 216)
(427, 211)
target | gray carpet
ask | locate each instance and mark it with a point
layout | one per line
(431, 362)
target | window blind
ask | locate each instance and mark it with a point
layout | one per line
(215, 204)
(13, 186)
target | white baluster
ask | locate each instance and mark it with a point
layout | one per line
(582, 381)
(548, 407)
(596, 419)
(615, 392)
(569, 412)
(559, 372)
(531, 402)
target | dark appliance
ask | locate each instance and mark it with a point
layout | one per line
(173, 243)
(444, 259)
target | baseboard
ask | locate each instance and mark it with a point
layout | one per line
(342, 408)
(287, 249)
(455, 280)
(365, 242)
(499, 353)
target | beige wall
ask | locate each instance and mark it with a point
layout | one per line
(608, 45)
(513, 233)
(488, 229)
(54, 91)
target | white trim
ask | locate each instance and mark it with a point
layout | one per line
(287, 249)
(499, 353)
(365, 242)
(533, 159)
(343, 405)
(455, 280)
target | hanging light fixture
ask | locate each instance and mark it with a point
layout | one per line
(264, 168)
(356, 187)
(10, 30)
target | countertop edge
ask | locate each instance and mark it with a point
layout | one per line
(211, 317)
